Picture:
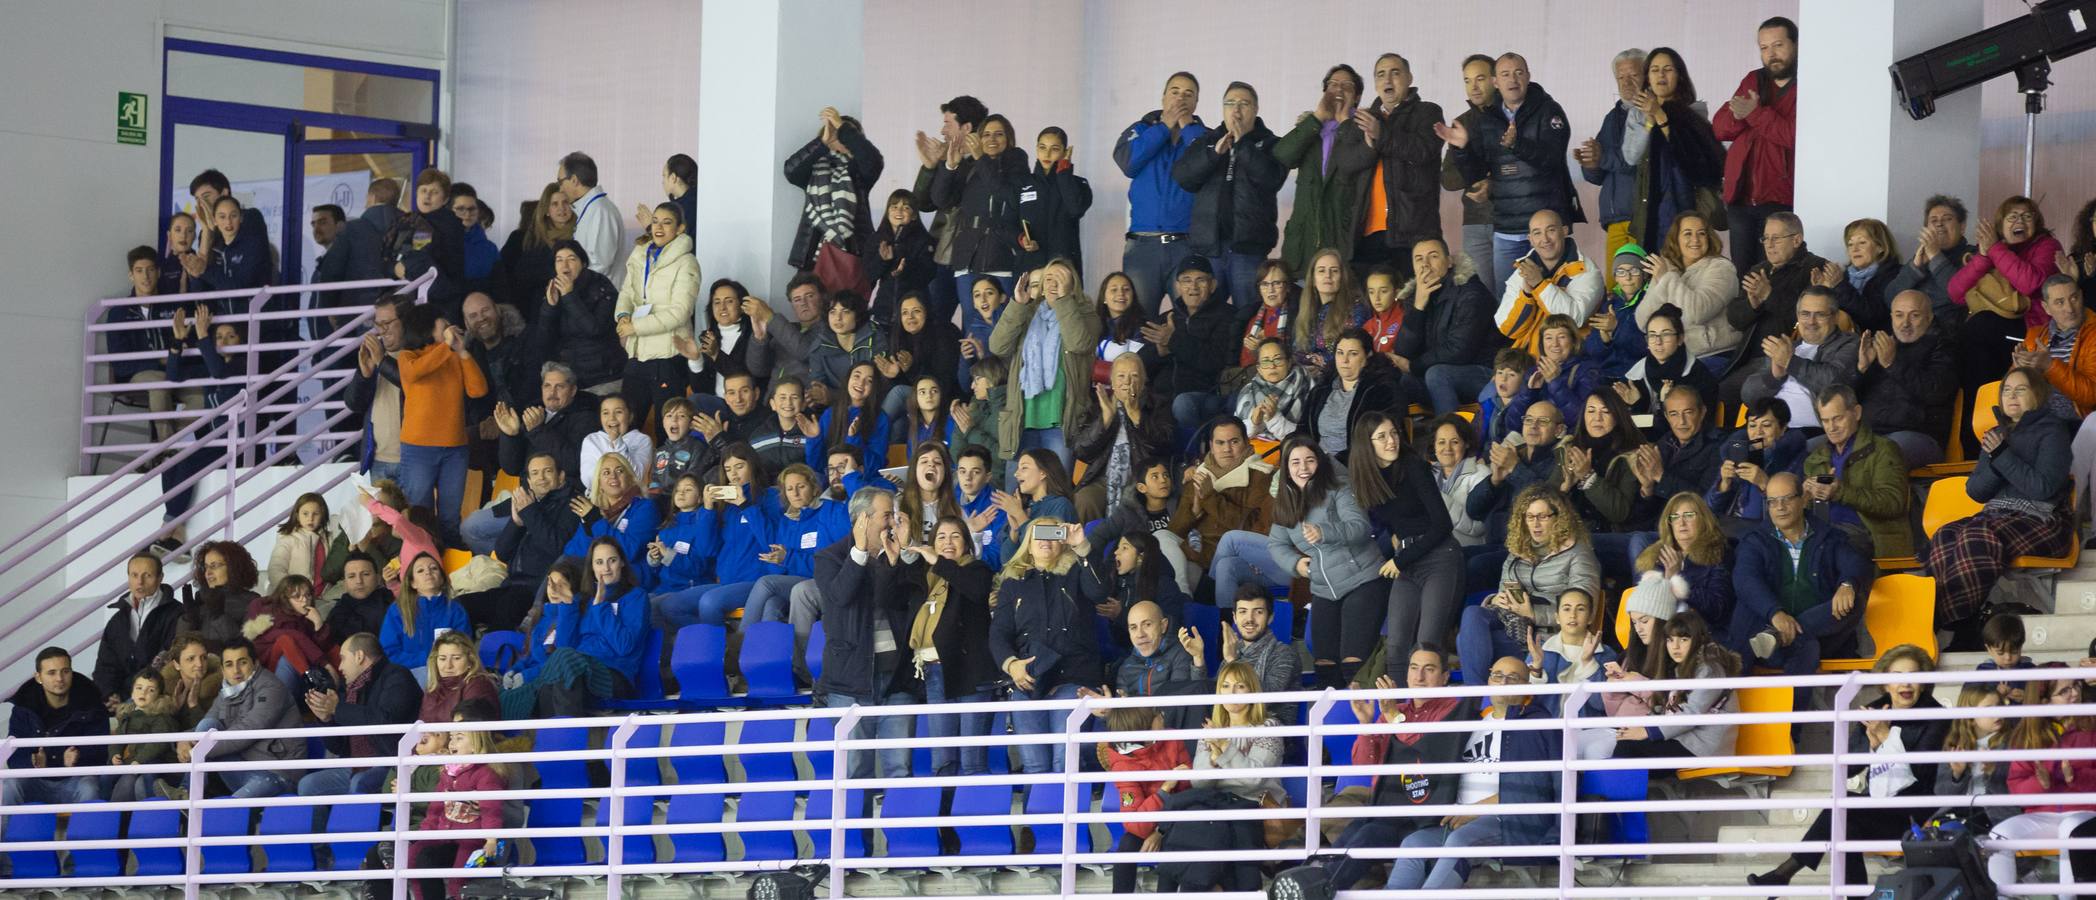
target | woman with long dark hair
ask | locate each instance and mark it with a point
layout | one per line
(1413, 532)
(1604, 469)
(1120, 319)
(1669, 139)
(857, 420)
(527, 256)
(1043, 490)
(1320, 534)
(919, 347)
(723, 339)
(597, 649)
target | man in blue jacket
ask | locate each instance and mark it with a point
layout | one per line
(1801, 586)
(1609, 159)
(1160, 212)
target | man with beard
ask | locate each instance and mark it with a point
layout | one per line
(1761, 123)
(1906, 378)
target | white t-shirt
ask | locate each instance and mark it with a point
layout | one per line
(1482, 750)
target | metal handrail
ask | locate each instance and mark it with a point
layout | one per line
(617, 749)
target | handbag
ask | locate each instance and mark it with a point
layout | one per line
(839, 269)
(1993, 294)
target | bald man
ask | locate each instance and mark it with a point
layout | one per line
(1789, 609)
(1158, 661)
(1550, 277)
(1907, 379)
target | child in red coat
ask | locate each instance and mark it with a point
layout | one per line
(1140, 796)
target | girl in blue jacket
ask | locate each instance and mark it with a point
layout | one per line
(744, 508)
(598, 636)
(807, 523)
(681, 555)
(419, 615)
(858, 421)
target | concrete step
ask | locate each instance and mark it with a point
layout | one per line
(2064, 631)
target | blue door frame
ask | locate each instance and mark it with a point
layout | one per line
(391, 136)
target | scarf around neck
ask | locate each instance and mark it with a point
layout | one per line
(1040, 355)
(833, 205)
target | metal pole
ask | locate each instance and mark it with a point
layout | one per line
(2030, 138)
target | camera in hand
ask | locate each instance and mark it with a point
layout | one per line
(319, 681)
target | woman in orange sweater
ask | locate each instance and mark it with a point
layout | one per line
(436, 377)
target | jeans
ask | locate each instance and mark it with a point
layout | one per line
(895, 762)
(897, 404)
(1236, 280)
(1035, 759)
(705, 604)
(1505, 249)
(1049, 439)
(973, 759)
(484, 527)
(775, 598)
(65, 789)
(329, 782)
(436, 477)
(1481, 639)
(251, 784)
(1195, 407)
(1363, 834)
(964, 290)
(384, 471)
(1477, 244)
(1151, 261)
(1450, 385)
(1448, 872)
(1241, 556)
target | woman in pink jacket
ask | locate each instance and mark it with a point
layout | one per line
(2046, 820)
(2016, 246)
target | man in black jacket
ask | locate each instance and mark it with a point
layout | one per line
(1427, 668)
(1907, 379)
(536, 526)
(1522, 460)
(1187, 352)
(1446, 342)
(866, 621)
(1234, 177)
(1524, 160)
(1767, 303)
(364, 600)
(374, 692)
(557, 426)
(1406, 183)
(55, 704)
(145, 618)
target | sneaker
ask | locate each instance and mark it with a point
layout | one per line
(1763, 645)
(165, 546)
(168, 791)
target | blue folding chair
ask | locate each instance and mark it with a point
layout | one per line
(983, 800)
(1620, 784)
(812, 656)
(766, 806)
(822, 762)
(699, 769)
(696, 809)
(149, 824)
(351, 819)
(639, 809)
(224, 859)
(501, 651)
(1000, 755)
(698, 661)
(32, 827)
(1283, 622)
(96, 826)
(767, 662)
(1047, 800)
(648, 691)
(1109, 802)
(921, 757)
(911, 803)
(1207, 621)
(563, 812)
(290, 857)
(561, 773)
(817, 815)
(776, 765)
(1339, 748)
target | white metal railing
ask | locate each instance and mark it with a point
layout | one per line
(1075, 817)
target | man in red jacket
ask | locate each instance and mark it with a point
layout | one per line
(1761, 122)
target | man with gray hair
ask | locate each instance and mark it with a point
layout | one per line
(866, 614)
(1767, 302)
(1906, 378)
(1609, 159)
(557, 426)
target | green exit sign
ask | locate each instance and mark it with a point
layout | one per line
(130, 118)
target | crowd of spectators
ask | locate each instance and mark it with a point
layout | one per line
(1455, 449)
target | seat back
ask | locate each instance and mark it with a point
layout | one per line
(288, 857)
(639, 809)
(767, 659)
(223, 859)
(1207, 621)
(1109, 801)
(698, 660)
(774, 765)
(1983, 402)
(983, 800)
(1283, 622)
(696, 809)
(699, 769)
(350, 819)
(1902, 610)
(644, 771)
(32, 827)
(822, 762)
(766, 806)
(1623, 620)
(648, 686)
(96, 826)
(500, 651)
(147, 824)
(817, 814)
(559, 774)
(812, 657)
(1947, 503)
(1047, 800)
(909, 803)
(1760, 738)
(562, 812)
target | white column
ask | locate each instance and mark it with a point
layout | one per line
(768, 66)
(1859, 154)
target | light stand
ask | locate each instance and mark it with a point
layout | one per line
(2032, 78)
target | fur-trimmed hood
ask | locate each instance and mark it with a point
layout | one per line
(1461, 269)
(162, 705)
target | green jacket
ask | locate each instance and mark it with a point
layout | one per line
(1078, 320)
(1327, 198)
(1874, 484)
(988, 416)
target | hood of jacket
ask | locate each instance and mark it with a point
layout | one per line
(162, 705)
(1463, 269)
(83, 698)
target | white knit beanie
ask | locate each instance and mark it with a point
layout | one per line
(1652, 597)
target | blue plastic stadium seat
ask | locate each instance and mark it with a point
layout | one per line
(565, 812)
(768, 766)
(96, 826)
(818, 811)
(767, 661)
(821, 762)
(290, 857)
(561, 773)
(698, 661)
(500, 651)
(696, 809)
(1045, 800)
(983, 800)
(1208, 622)
(32, 827)
(813, 656)
(350, 819)
(911, 803)
(222, 860)
(699, 769)
(147, 824)
(766, 806)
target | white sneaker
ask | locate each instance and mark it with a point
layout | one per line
(1763, 644)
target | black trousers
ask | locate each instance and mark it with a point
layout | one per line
(1349, 627)
(648, 382)
(1864, 825)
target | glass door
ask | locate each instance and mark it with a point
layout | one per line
(339, 171)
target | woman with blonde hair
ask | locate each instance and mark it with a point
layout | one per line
(421, 610)
(614, 508)
(527, 256)
(455, 677)
(1692, 556)
(1863, 288)
(1330, 302)
(1041, 628)
(1693, 275)
(1548, 553)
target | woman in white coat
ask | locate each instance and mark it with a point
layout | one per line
(655, 307)
(1693, 274)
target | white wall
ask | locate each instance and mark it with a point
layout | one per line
(77, 199)
(538, 79)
